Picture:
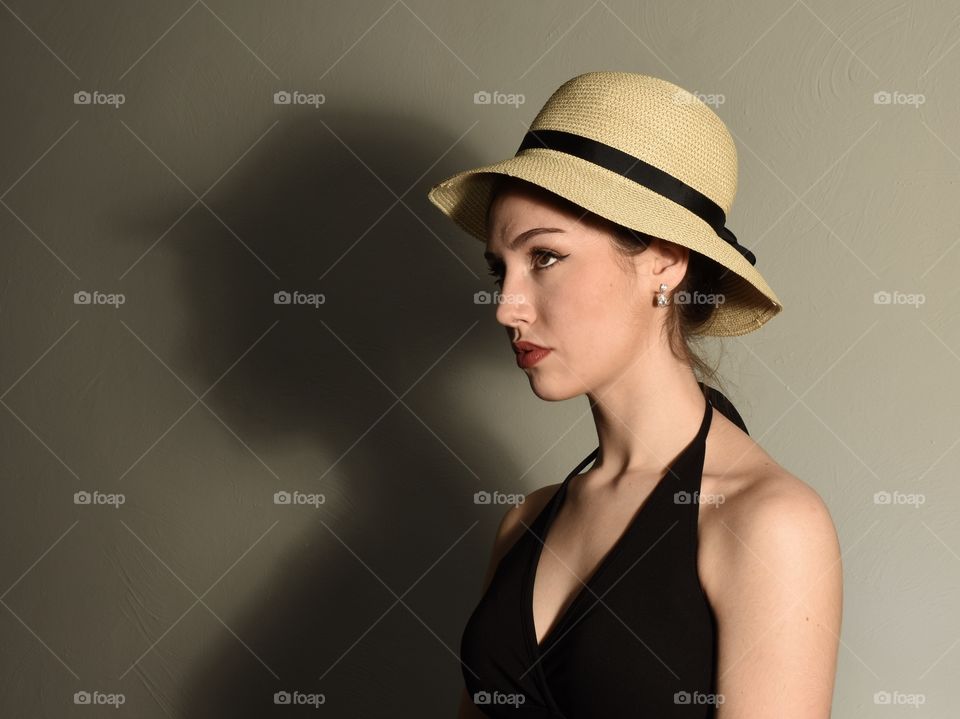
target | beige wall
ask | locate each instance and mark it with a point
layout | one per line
(396, 399)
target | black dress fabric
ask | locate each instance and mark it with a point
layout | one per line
(637, 640)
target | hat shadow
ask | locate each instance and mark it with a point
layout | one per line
(293, 210)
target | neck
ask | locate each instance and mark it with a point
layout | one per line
(645, 418)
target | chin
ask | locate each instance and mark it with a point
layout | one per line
(553, 391)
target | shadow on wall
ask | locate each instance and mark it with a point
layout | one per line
(399, 299)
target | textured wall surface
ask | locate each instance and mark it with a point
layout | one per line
(182, 196)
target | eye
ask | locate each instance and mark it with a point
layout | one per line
(536, 254)
(539, 253)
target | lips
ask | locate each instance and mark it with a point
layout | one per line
(528, 354)
(527, 347)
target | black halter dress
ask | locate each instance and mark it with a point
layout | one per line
(637, 640)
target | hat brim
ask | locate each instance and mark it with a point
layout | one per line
(749, 302)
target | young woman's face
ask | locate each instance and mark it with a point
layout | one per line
(565, 288)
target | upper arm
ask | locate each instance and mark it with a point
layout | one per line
(779, 609)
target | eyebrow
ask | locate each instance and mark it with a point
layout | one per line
(521, 238)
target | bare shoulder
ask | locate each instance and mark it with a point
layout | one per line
(756, 498)
(771, 567)
(526, 512)
(765, 502)
(515, 522)
(774, 506)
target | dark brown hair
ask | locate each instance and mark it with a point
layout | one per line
(684, 320)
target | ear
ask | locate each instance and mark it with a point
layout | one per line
(669, 261)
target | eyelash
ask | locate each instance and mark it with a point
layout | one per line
(535, 254)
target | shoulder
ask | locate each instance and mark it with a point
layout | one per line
(777, 596)
(518, 517)
(762, 508)
(768, 518)
(515, 522)
(778, 514)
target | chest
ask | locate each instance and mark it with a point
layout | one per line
(585, 534)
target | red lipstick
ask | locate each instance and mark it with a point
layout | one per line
(528, 354)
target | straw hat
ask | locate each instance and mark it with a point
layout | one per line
(643, 153)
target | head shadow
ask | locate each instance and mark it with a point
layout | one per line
(300, 213)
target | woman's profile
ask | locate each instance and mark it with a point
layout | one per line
(678, 570)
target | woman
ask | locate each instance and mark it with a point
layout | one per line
(685, 573)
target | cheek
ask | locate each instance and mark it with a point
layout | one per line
(595, 320)
(574, 306)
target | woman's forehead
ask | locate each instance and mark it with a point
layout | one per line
(517, 208)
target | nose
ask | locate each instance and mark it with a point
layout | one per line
(514, 306)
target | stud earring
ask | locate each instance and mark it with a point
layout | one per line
(662, 299)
